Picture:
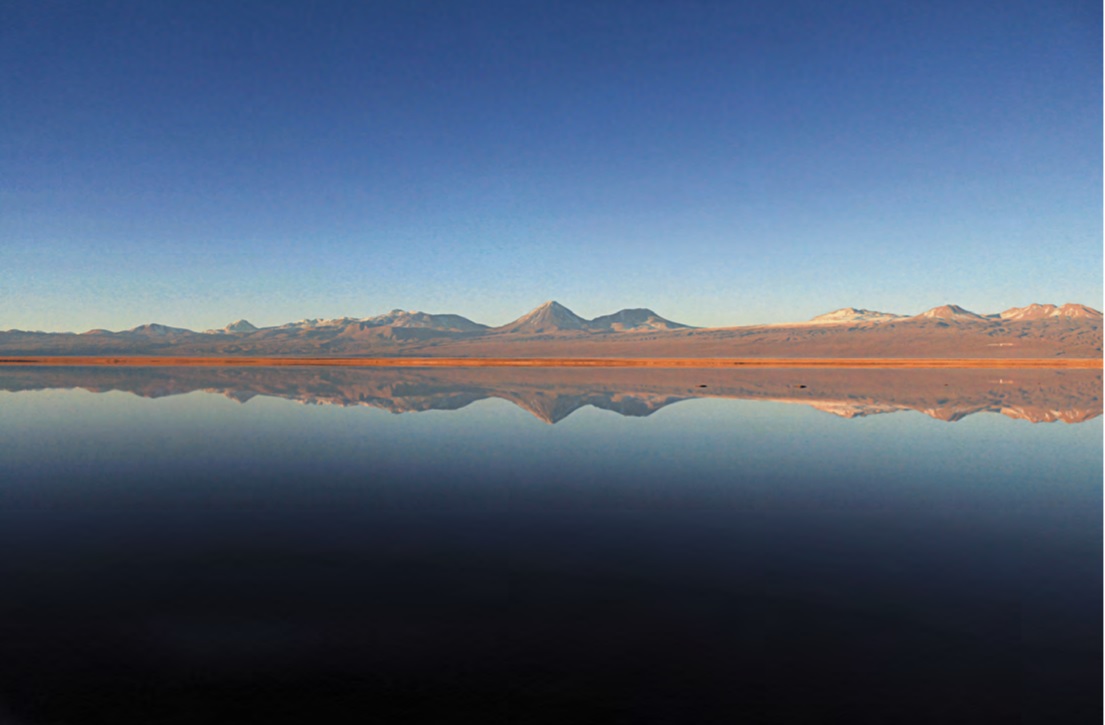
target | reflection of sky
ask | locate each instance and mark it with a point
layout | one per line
(715, 542)
(200, 447)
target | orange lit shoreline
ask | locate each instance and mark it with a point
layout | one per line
(152, 361)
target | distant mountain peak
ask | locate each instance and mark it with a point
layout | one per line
(555, 317)
(633, 319)
(1036, 311)
(242, 325)
(239, 327)
(1033, 311)
(155, 329)
(422, 320)
(313, 322)
(853, 314)
(1071, 309)
(554, 307)
(549, 317)
(951, 312)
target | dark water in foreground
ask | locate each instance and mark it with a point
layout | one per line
(192, 559)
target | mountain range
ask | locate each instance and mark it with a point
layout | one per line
(554, 331)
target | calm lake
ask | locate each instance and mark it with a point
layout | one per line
(202, 545)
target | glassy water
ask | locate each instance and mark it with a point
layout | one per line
(197, 545)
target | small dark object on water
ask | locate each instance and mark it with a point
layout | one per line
(801, 386)
(702, 386)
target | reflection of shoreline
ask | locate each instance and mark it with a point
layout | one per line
(551, 394)
(566, 362)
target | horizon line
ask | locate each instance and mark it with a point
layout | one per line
(405, 362)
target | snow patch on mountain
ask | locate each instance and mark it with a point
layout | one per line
(241, 327)
(422, 320)
(549, 317)
(852, 314)
(950, 312)
(1037, 311)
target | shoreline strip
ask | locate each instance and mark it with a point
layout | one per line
(151, 361)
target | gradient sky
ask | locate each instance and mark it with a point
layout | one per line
(196, 162)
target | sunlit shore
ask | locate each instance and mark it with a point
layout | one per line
(144, 361)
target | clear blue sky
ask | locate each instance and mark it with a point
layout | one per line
(734, 162)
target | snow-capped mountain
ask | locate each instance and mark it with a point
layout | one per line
(549, 317)
(1040, 312)
(241, 327)
(422, 320)
(853, 314)
(951, 312)
(314, 322)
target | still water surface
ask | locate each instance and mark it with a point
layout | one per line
(662, 552)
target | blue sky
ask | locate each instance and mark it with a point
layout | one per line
(721, 162)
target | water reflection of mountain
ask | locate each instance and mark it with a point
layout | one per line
(552, 394)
